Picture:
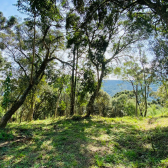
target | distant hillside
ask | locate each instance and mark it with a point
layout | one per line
(114, 86)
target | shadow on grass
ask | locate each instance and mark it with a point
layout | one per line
(84, 143)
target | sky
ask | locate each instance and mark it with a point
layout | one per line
(8, 9)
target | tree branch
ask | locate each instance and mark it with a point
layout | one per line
(17, 61)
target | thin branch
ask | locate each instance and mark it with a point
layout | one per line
(17, 61)
(22, 52)
(63, 62)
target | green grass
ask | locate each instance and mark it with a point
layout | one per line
(95, 142)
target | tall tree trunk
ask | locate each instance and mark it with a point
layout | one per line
(57, 103)
(93, 97)
(146, 105)
(76, 71)
(34, 38)
(135, 91)
(30, 113)
(21, 100)
(136, 96)
(73, 86)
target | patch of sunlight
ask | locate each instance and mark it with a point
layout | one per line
(159, 123)
(117, 130)
(102, 137)
(88, 130)
(7, 158)
(60, 164)
(23, 147)
(100, 149)
(82, 151)
(148, 146)
(85, 121)
(163, 122)
(47, 145)
(120, 166)
(33, 147)
(46, 157)
(47, 127)
(164, 162)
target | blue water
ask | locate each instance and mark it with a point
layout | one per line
(114, 86)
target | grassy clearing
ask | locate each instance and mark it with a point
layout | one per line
(95, 142)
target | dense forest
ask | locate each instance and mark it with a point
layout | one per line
(53, 64)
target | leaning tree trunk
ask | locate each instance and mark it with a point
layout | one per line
(15, 107)
(20, 101)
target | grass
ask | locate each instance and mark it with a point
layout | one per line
(95, 142)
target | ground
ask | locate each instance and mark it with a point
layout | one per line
(88, 143)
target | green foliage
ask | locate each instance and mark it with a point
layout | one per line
(62, 105)
(103, 98)
(162, 94)
(72, 21)
(102, 101)
(159, 63)
(6, 24)
(153, 110)
(156, 110)
(88, 84)
(45, 9)
(129, 94)
(123, 102)
(130, 107)
(7, 91)
(2, 111)
(99, 160)
(6, 135)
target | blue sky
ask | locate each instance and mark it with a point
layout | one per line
(8, 9)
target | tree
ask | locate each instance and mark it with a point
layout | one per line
(123, 104)
(60, 83)
(159, 8)
(101, 32)
(161, 94)
(160, 62)
(49, 40)
(103, 100)
(6, 25)
(130, 72)
(76, 41)
(136, 72)
(7, 91)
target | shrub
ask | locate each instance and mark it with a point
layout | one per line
(122, 106)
